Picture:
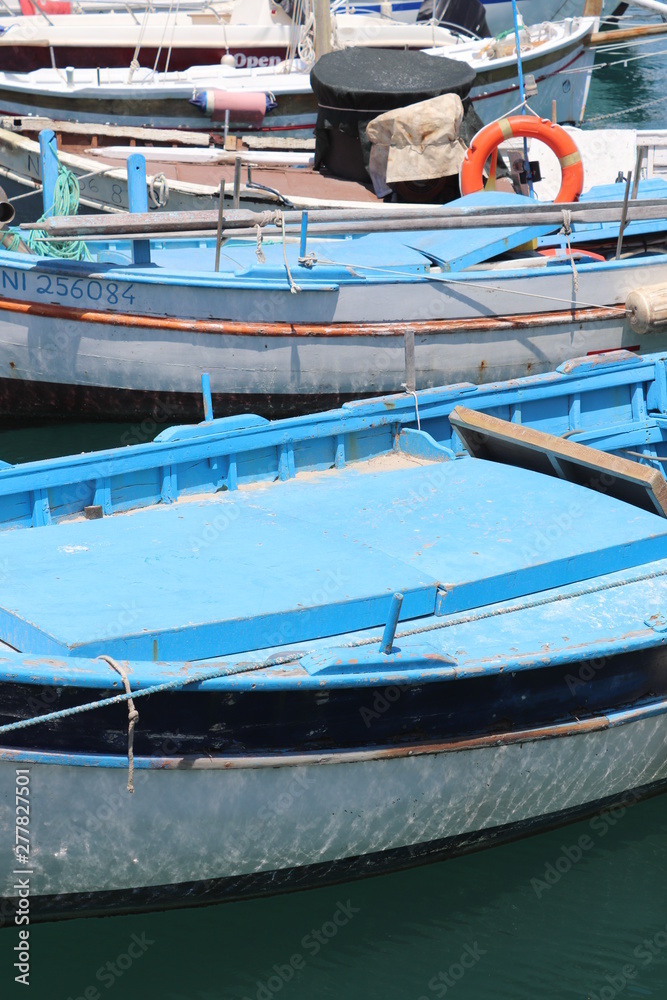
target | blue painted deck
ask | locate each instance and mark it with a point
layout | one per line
(241, 537)
(403, 256)
(294, 561)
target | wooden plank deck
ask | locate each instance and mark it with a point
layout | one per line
(489, 437)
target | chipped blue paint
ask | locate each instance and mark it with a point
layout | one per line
(228, 574)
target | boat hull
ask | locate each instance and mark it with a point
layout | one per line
(562, 75)
(290, 352)
(210, 829)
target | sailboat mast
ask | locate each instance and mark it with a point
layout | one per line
(322, 11)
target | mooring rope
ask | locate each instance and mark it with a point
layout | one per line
(293, 287)
(509, 609)
(566, 231)
(443, 279)
(133, 718)
(65, 202)
(174, 685)
(241, 668)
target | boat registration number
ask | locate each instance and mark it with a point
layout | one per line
(108, 293)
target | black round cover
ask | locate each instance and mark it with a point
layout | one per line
(377, 80)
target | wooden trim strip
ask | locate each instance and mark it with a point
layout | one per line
(433, 327)
(219, 762)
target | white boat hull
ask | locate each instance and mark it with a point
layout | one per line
(115, 347)
(196, 831)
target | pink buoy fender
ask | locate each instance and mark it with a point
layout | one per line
(488, 139)
(244, 107)
(46, 7)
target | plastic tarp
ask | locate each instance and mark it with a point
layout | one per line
(416, 143)
(355, 85)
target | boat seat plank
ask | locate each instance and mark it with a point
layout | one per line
(499, 440)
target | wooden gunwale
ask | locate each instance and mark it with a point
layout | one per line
(238, 328)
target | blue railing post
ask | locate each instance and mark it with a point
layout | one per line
(304, 237)
(137, 195)
(206, 393)
(48, 154)
(392, 621)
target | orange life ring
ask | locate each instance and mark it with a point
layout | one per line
(556, 138)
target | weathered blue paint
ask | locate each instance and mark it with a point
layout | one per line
(373, 259)
(268, 557)
(351, 521)
(303, 241)
(137, 194)
(206, 393)
(392, 621)
(48, 153)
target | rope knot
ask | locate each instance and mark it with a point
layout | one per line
(132, 718)
(566, 228)
(261, 259)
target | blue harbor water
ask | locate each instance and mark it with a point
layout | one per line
(579, 912)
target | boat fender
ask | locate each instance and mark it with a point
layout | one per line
(471, 175)
(246, 107)
(646, 308)
(46, 7)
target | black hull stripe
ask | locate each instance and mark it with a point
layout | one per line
(27, 401)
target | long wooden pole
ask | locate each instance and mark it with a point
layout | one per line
(135, 226)
(322, 27)
(624, 34)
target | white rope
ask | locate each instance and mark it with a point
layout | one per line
(158, 190)
(293, 287)
(411, 392)
(134, 63)
(307, 41)
(463, 284)
(261, 259)
(132, 716)
(167, 21)
(171, 40)
(566, 230)
(295, 36)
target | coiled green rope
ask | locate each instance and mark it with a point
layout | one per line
(65, 202)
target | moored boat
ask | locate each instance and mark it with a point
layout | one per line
(365, 648)
(98, 91)
(290, 321)
(184, 171)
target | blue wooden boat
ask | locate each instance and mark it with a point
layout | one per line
(287, 326)
(374, 637)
